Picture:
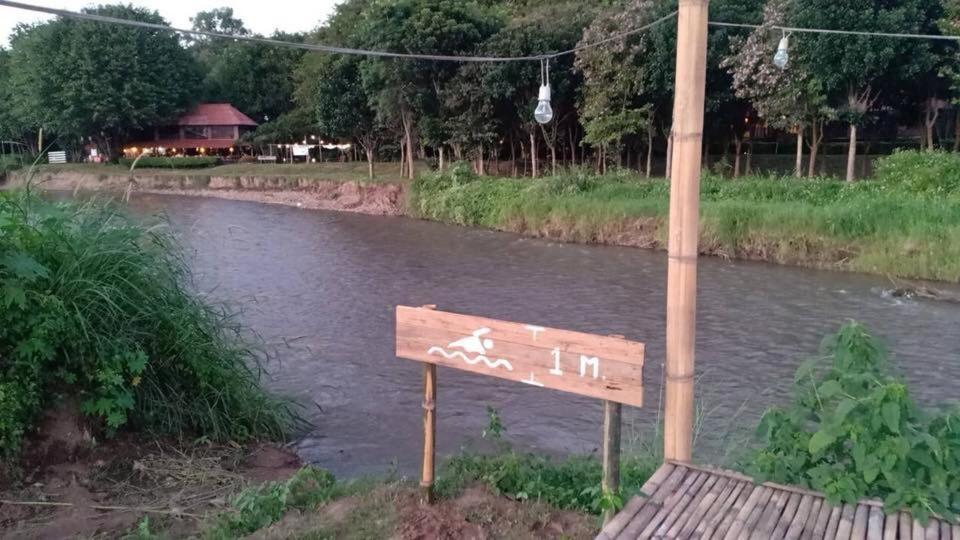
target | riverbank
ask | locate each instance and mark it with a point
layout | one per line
(337, 187)
(904, 223)
(138, 487)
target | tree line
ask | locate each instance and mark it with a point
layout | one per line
(84, 81)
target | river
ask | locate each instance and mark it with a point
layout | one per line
(320, 287)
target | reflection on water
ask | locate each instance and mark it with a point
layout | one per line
(321, 288)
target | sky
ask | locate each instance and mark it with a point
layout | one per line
(261, 17)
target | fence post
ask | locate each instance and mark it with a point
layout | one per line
(611, 454)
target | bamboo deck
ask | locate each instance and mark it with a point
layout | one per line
(682, 501)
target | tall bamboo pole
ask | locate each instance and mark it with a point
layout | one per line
(684, 225)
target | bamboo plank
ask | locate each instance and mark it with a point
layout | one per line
(823, 521)
(945, 533)
(681, 518)
(875, 524)
(800, 518)
(674, 506)
(716, 512)
(617, 524)
(906, 526)
(655, 502)
(754, 518)
(769, 517)
(811, 524)
(956, 532)
(760, 495)
(919, 531)
(846, 522)
(932, 530)
(831, 531)
(860, 518)
(727, 515)
(785, 519)
(700, 508)
(891, 526)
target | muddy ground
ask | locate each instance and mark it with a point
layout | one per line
(71, 485)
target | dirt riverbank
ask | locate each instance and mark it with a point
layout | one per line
(304, 192)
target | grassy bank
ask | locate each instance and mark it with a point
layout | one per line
(331, 171)
(905, 222)
(98, 313)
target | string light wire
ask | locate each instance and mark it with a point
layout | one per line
(327, 48)
(543, 57)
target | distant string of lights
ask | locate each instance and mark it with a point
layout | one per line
(543, 113)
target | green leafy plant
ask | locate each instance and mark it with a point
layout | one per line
(96, 306)
(852, 431)
(258, 507)
(572, 483)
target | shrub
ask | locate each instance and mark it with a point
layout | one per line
(95, 305)
(932, 173)
(853, 431)
(185, 162)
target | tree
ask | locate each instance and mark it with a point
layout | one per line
(256, 79)
(219, 21)
(405, 88)
(341, 104)
(80, 78)
(614, 103)
(785, 98)
(855, 70)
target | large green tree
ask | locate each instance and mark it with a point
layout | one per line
(859, 71)
(789, 97)
(87, 79)
(341, 104)
(403, 90)
(256, 79)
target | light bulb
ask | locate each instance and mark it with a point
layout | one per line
(782, 57)
(544, 112)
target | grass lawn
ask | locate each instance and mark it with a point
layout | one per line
(333, 171)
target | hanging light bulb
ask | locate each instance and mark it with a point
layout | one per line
(782, 57)
(544, 112)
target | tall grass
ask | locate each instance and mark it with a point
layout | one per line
(903, 223)
(97, 307)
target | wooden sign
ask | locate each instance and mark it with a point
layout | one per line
(603, 367)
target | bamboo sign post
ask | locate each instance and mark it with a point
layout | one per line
(604, 367)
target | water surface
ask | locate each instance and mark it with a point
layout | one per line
(320, 287)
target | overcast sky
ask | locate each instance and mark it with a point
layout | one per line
(261, 17)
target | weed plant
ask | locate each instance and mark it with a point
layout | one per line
(95, 307)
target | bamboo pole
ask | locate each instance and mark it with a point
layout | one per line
(611, 453)
(429, 431)
(684, 224)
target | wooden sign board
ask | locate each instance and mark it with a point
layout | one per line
(603, 367)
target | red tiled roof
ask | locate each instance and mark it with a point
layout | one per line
(215, 114)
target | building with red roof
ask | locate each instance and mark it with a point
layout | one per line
(209, 127)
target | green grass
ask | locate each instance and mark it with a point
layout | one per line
(903, 223)
(355, 171)
(97, 309)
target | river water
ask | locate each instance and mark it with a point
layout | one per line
(321, 287)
